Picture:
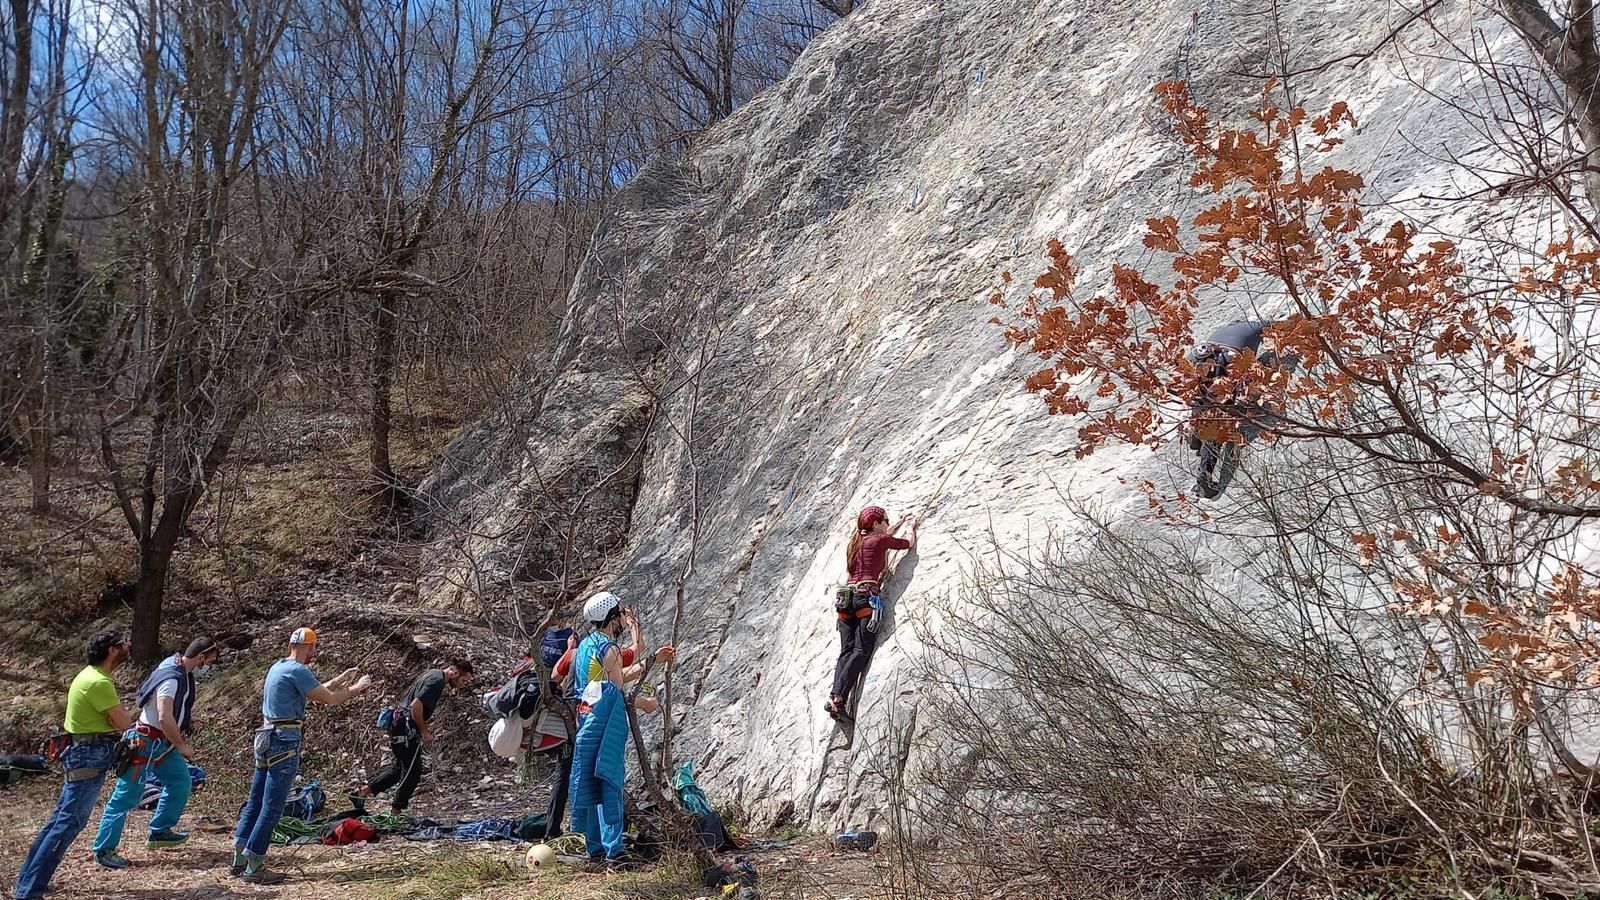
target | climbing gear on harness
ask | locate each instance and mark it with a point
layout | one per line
(857, 601)
(262, 744)
(128, 752)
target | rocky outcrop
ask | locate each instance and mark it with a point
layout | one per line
(792, 322)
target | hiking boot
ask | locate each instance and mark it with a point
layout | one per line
(163, 840)
(595, 863)
(111, 859)
(237, 865)
(262, 875)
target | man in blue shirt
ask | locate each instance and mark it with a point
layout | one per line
(289, 684)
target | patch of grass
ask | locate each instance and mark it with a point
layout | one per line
(457, 876)
(676, 877)
(27, 717)
(791, 832)
(734, 821)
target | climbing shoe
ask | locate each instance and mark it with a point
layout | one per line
(111, 859)
(262, 875)
(163, 840)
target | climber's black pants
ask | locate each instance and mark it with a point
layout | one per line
(405, 770)
(558, 792)
(855, 650)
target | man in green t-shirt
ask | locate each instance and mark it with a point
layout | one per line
(95, 720)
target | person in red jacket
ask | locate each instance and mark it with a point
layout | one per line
(859, 603)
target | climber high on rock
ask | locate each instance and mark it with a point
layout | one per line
(1219, 455)
(859, 604)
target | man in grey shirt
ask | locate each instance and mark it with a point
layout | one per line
(410, 728)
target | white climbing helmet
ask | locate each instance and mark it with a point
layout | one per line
(596, 608)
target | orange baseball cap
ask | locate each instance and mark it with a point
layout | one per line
(303, 636)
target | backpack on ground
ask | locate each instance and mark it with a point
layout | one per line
(15, 768)
(305, 802)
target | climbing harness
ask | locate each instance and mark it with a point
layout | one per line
(263, 742)
(857, 601)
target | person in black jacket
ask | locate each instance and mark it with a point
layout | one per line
(410, 730)
(1218, 352)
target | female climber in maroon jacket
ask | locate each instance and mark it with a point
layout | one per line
(859, 604)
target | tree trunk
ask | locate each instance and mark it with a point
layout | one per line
(1588, 116)
(727, 45)
(383, 329)
(41, 434)
(14, 123)
(674, 819)
(155, 556)
(1569, 50)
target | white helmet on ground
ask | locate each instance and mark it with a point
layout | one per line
(598, 607)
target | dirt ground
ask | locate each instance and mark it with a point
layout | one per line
(291, 542)
(807, 868)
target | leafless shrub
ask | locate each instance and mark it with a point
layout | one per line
(1141, 708)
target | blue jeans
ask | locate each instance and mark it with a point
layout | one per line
(277, 753)
(175, 786)
(86, 770)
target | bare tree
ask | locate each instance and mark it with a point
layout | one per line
(1569, 49)
(212, 330)
(37, 270)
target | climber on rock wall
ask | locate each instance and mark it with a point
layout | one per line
(1219, 458)
(859, 604)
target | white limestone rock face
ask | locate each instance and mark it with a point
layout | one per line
(823, 260)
